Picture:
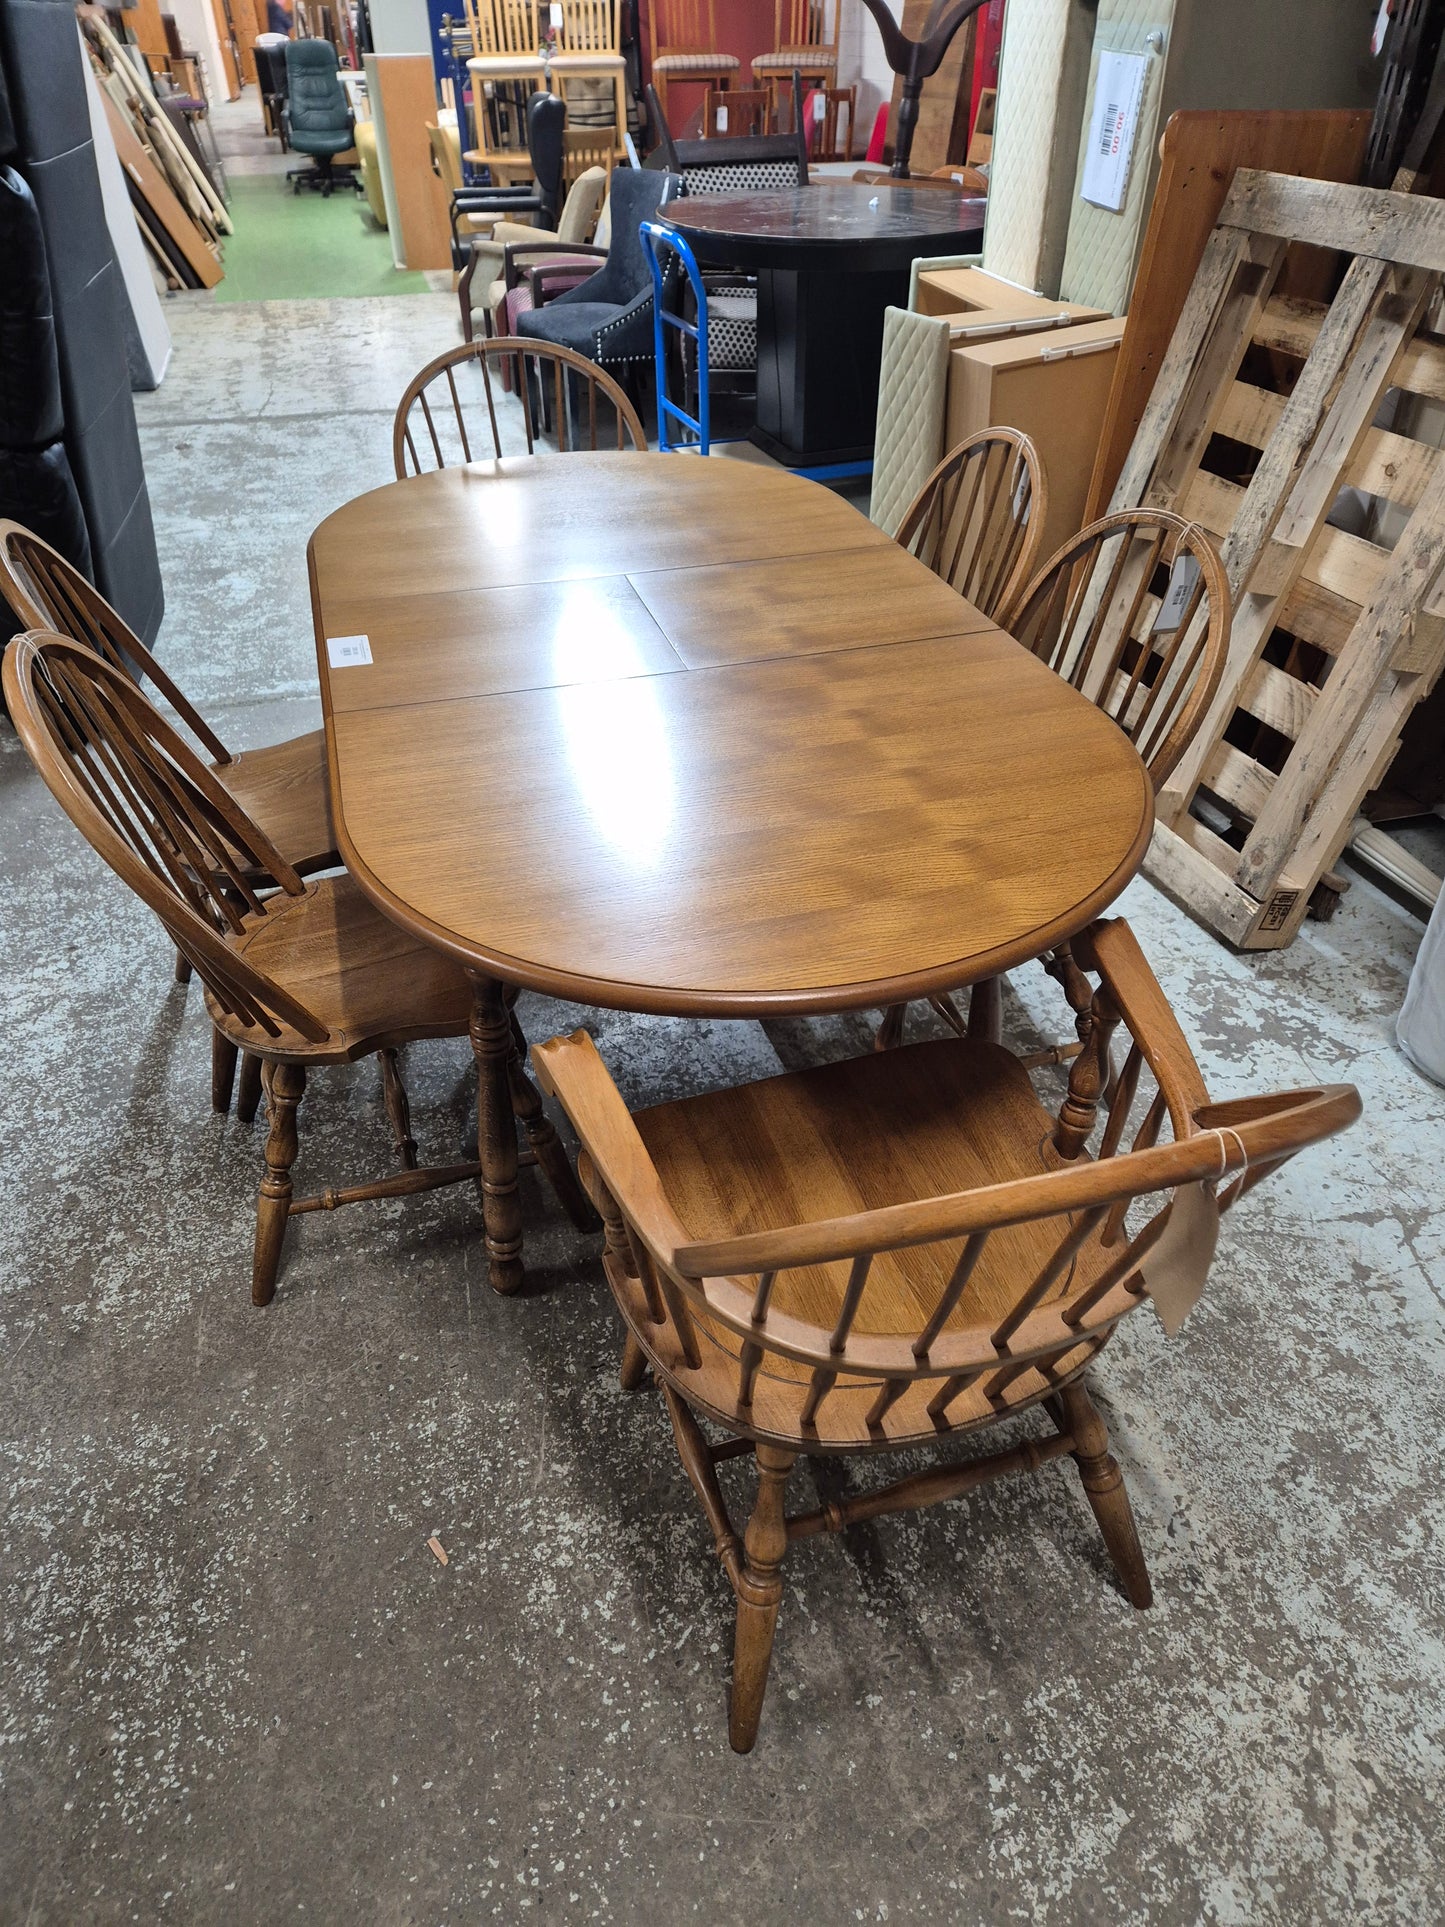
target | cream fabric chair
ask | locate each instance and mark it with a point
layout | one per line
(482, 287)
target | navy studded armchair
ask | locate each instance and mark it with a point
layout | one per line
(608, 317)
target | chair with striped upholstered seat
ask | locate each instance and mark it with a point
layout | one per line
(682, 45)
(805, 40)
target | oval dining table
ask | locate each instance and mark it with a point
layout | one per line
(690, 735)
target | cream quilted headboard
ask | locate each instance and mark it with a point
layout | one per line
(1103, 247)
(1043, 73)
(912, 393)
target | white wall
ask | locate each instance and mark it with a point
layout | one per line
(401, 27)
(861, 64)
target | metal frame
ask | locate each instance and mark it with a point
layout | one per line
(654, 235)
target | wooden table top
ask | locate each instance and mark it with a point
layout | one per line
(688, 735)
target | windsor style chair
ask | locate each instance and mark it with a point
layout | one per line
(903, 1249)
(283, 787)
(979, 518)
(1134, 612)
(443, 405)
(682, 45)
(297, 973)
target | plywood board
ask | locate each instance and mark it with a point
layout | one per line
(405, 105)
(147, 180)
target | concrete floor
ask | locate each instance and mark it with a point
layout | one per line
(237, 1686)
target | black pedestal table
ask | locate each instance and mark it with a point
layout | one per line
(829, 259)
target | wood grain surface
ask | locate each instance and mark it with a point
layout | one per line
(588, 758)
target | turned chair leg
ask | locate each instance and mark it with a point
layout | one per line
(1104, 1488)
(985, 1010)
(223, 1070)
(398, 1109)
(285, 1086)
(634, 1364)
(548, 1148)
(248, 1093)
(760, 1593)
(890, 1032)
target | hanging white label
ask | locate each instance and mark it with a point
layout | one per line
(722, 120)
(1182, 578)
(820, 106)
(1113, 127)
(554, 16)
(346, 652)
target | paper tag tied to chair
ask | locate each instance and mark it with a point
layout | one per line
(1174, 1269)
(1182, 578)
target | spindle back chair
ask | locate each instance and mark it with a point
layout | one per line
(504, 27)
(979, 518)
(296, 972)
(440, 399)
(589, 26)
(905, 1248)
(47, 592)
(282, 786)
(747, 109)
(1134, 611)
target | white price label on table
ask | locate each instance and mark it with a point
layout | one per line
(346, 652)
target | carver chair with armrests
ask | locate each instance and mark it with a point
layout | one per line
(541, 199)
(483, 285)
(430, 429)
(316, 117)
(297, 973)
(283, 787)
(1135, 612)
(906, 1249)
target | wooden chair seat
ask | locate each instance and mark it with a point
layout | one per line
(283, 789)
(922, 1121)
(361, 975)
(899, 1250)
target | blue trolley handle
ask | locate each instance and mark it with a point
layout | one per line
(654, 237)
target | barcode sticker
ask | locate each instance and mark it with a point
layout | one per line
(347, 652)
(1113, 127)
(1182, 578)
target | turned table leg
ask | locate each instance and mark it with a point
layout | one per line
(491, 1032)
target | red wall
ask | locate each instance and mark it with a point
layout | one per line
(744, 28)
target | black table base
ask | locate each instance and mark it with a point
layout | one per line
(820, 349)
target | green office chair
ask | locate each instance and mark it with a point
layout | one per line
(316, 118)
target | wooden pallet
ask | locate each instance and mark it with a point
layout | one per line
(1264, 411)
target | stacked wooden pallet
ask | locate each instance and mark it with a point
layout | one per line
(1289, 430)
(177, 208)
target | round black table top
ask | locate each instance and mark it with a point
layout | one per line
(834, 224)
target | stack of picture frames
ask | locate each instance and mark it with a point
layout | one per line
(180, 214)
(1303, 434)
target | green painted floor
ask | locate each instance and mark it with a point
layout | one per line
(288, 246)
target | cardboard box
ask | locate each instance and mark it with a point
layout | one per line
(980, 307)
(1053, 386)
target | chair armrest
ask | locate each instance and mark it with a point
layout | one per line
(513, 263)
(572, 1070)
(548, 281)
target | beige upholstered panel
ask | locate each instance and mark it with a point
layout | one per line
(1103, 247)
(912, 389)
(1043, 72)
